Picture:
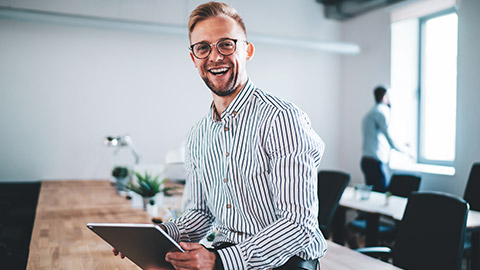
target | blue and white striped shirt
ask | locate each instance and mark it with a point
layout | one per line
(253, 175)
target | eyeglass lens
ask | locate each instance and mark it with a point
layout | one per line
(225, 47)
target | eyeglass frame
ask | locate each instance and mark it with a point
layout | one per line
(210, 45)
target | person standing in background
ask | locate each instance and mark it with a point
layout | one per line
(377, 142)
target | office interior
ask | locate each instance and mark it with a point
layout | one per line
(72, 73)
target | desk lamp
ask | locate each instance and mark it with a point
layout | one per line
(122, 141)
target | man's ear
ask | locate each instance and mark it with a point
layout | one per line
(193, 59)
(250, 50)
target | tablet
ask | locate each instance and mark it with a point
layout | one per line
(144, 244)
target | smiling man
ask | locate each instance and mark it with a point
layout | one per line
(251, 163)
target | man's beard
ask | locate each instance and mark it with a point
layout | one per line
(230, 86)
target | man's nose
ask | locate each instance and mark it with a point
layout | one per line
(215, 55)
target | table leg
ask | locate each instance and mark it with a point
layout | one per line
(338, 225)
(475, 256)
(371, 236)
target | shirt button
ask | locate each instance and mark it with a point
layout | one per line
(229, 206)
(226, 128)
(240, 233)
(224, 180)
(234, 113)
(227, 154)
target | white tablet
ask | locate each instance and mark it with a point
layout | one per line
(144, 244)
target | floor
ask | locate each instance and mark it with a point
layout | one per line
(18, 202)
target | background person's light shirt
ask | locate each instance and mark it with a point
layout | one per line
(255, 169)
(377, 140)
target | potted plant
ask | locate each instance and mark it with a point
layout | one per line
(148, 186)
(122, 176)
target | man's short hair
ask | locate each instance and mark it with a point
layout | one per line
(379, 93)
(213, 9)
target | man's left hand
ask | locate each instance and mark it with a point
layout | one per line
(195, 256)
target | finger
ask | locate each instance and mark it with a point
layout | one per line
(116, 252)
(177, 256)
(190, 246)
(185, 245)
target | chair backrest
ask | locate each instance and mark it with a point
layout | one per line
(431, 233)
(404, 184)
(472, 190)
(331, 185)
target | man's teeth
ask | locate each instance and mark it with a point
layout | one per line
(217, 71)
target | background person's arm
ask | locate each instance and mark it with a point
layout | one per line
(382, 120)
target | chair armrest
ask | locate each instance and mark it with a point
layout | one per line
(382, 253)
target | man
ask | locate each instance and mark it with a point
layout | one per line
(377, 142)
(251, 163)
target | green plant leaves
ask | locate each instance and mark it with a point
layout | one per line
(148, 185)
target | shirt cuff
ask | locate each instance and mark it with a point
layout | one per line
(172, 230)
(231, 258)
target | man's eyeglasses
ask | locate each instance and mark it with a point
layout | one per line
(225, 47)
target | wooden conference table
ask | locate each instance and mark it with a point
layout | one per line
(376, 206)
(61, 240)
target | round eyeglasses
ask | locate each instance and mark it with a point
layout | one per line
(225, 47)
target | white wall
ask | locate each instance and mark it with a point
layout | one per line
(66, 84)
(361, 73)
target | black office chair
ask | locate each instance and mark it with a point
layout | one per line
(331, 185)
(431, 233)
(472, 196)
(400, 185)
(404, 184)
(472, 189)
(18, 202)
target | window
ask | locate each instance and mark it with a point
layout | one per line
(438, 87)
(423, 82)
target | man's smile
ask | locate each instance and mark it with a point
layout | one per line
(219, 71)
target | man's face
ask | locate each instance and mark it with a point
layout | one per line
(224, 75)
(386, 100)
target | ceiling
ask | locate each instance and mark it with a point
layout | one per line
(347, 9)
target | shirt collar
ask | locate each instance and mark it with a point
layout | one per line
(383, 107)
(237, 104)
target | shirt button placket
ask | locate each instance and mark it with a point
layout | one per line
(227, 153)
(226, 129)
